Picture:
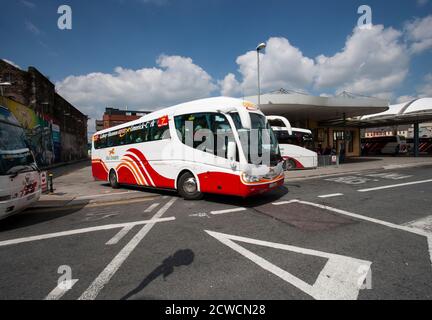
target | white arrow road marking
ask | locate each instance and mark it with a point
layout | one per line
(105, 276)
(339, 279)
(114, 240)
(79, 231)
(60, 290)
(418, 231)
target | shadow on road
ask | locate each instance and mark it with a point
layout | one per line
(250, 202)
(181, 258)
(33, 216)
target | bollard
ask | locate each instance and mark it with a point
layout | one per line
(50, 183)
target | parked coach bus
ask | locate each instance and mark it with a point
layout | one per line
(425, 145)
(385, 145)
(196, 147)
(294, 144)
(19, 176)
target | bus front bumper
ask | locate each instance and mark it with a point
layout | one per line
(247, 190)
(11, 207)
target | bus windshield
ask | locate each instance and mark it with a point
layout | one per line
(266, 142)
(301, 139)
(15, 156)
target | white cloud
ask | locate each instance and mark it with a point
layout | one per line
(422, 91)
(425, 89)
(229, 86)
(12, 63)
(176, 79)
(281, 65)
(373, 61)
(421, 3)
(406, 98)
(419, 34)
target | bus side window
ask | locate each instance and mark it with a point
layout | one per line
(101, 143)
(179, 122)
(221, 128)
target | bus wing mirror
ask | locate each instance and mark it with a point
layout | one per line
(232, 152)
(245, 118)
(243, 113)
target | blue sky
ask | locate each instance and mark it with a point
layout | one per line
(159, 37)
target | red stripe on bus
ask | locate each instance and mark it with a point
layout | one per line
(159, 180)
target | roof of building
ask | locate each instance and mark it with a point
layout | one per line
(417, 110)
(298, 106)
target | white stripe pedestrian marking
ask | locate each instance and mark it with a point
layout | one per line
(227, 211)
(150, 209)
(59, 291)
(79, 231)
(331, 195)
(395, 185)
(341, 277)
(105, 276)
(120, 235)
(424, 233)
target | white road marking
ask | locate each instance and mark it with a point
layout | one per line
(106, 275)
(79, 231)
(227, 211)
(200, 215)
(339, 279)
(389, 176)
(395, 185)
(104, 195)
(417, 231)
(352, 180)
(150, 209)
(59, 292)
(283, 202)
(114, 240)
(331, 195)
(424, 224)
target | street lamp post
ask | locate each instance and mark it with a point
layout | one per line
(260, 47)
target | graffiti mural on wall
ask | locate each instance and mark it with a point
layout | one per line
(43, 136)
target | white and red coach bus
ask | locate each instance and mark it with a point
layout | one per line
(294, 144)
(203, 146)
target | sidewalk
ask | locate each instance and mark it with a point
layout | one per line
(74, 185)
(360, 164)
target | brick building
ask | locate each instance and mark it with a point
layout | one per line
(33, 96)
(113, 117)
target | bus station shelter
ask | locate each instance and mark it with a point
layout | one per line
(337, 120)
(318, 113)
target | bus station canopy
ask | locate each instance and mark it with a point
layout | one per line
(414, 111)
(298, 106)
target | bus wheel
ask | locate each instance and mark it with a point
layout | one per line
(113, 180)
(290, 164)
(187, 187)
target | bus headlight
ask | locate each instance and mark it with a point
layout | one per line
(249, 178)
